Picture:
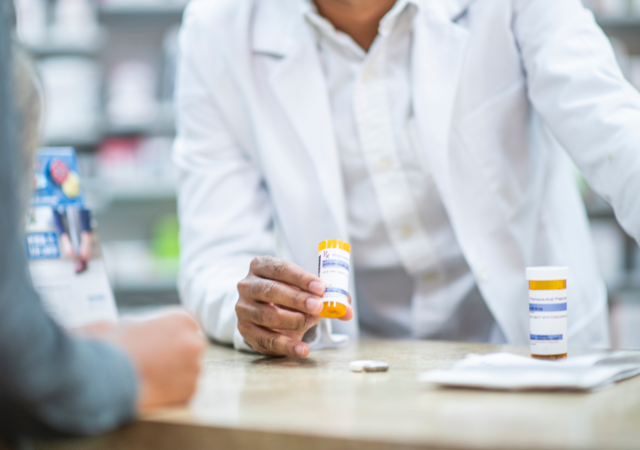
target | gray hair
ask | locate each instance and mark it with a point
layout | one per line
(27, 99)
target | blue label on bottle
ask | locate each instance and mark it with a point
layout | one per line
(547, 307)
(546, 337)
(335, 263)
(336, 290)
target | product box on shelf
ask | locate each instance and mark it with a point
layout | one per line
(63, 249)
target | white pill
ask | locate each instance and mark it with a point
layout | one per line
(368, 365)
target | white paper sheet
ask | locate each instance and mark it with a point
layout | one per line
(504, 371)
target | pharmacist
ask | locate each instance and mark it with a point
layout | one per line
(430, 134)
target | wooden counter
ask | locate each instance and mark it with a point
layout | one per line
(251, 402)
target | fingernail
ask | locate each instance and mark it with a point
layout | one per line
(313, 305)
(317, 287)
(300, 350)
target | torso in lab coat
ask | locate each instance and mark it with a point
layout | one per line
(500, 89)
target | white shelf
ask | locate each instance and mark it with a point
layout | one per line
(158, 285)
(619, 22)
(104, 191)
(57, 45)
(158, 128)
(71, 141)
(132, 268)
(142, 8)
(163, 124)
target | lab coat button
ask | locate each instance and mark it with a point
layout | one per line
(384, 163)
(407, 231)
(367, 76)
(482, 274)
(430, 277)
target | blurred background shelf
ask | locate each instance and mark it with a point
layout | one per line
(52, 46)
(108, 70)
(138, 286)
(161, 123)
(619, 22)
(171, 9)
(76, 141)
(102, 193)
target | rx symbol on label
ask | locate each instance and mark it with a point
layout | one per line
(325, 254)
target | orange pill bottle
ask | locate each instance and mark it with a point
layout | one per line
(333, 268)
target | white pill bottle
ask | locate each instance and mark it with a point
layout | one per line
(548, 311)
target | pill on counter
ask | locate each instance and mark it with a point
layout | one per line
(368, 366)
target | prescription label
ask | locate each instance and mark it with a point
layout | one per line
(333, 269)
(548, 322)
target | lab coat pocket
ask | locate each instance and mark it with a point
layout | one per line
(496, 136)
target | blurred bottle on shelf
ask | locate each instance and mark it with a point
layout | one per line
(71, 88)
(165, 245)
(74, 21)
(132, 94)
(58, 23)
(32, 20)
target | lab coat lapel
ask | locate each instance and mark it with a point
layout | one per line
(437, 57)
(299, 85)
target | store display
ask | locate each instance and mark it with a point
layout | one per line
(65, 258)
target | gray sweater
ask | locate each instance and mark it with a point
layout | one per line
(50, 384)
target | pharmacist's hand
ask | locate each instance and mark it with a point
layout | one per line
(166, 354)
(279, 302)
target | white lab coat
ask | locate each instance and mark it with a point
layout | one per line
(500, 87)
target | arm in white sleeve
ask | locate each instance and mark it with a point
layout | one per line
(576, 86)
(224, 209)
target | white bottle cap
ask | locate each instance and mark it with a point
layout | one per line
(547, 273)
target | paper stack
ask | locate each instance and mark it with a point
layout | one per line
(504, 371)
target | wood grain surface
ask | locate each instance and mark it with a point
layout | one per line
(246, 401)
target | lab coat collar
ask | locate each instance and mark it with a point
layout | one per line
(452, 9)
(298, 83)
(438, 54)
(280, 30)
(386, 23)
(278, 23)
